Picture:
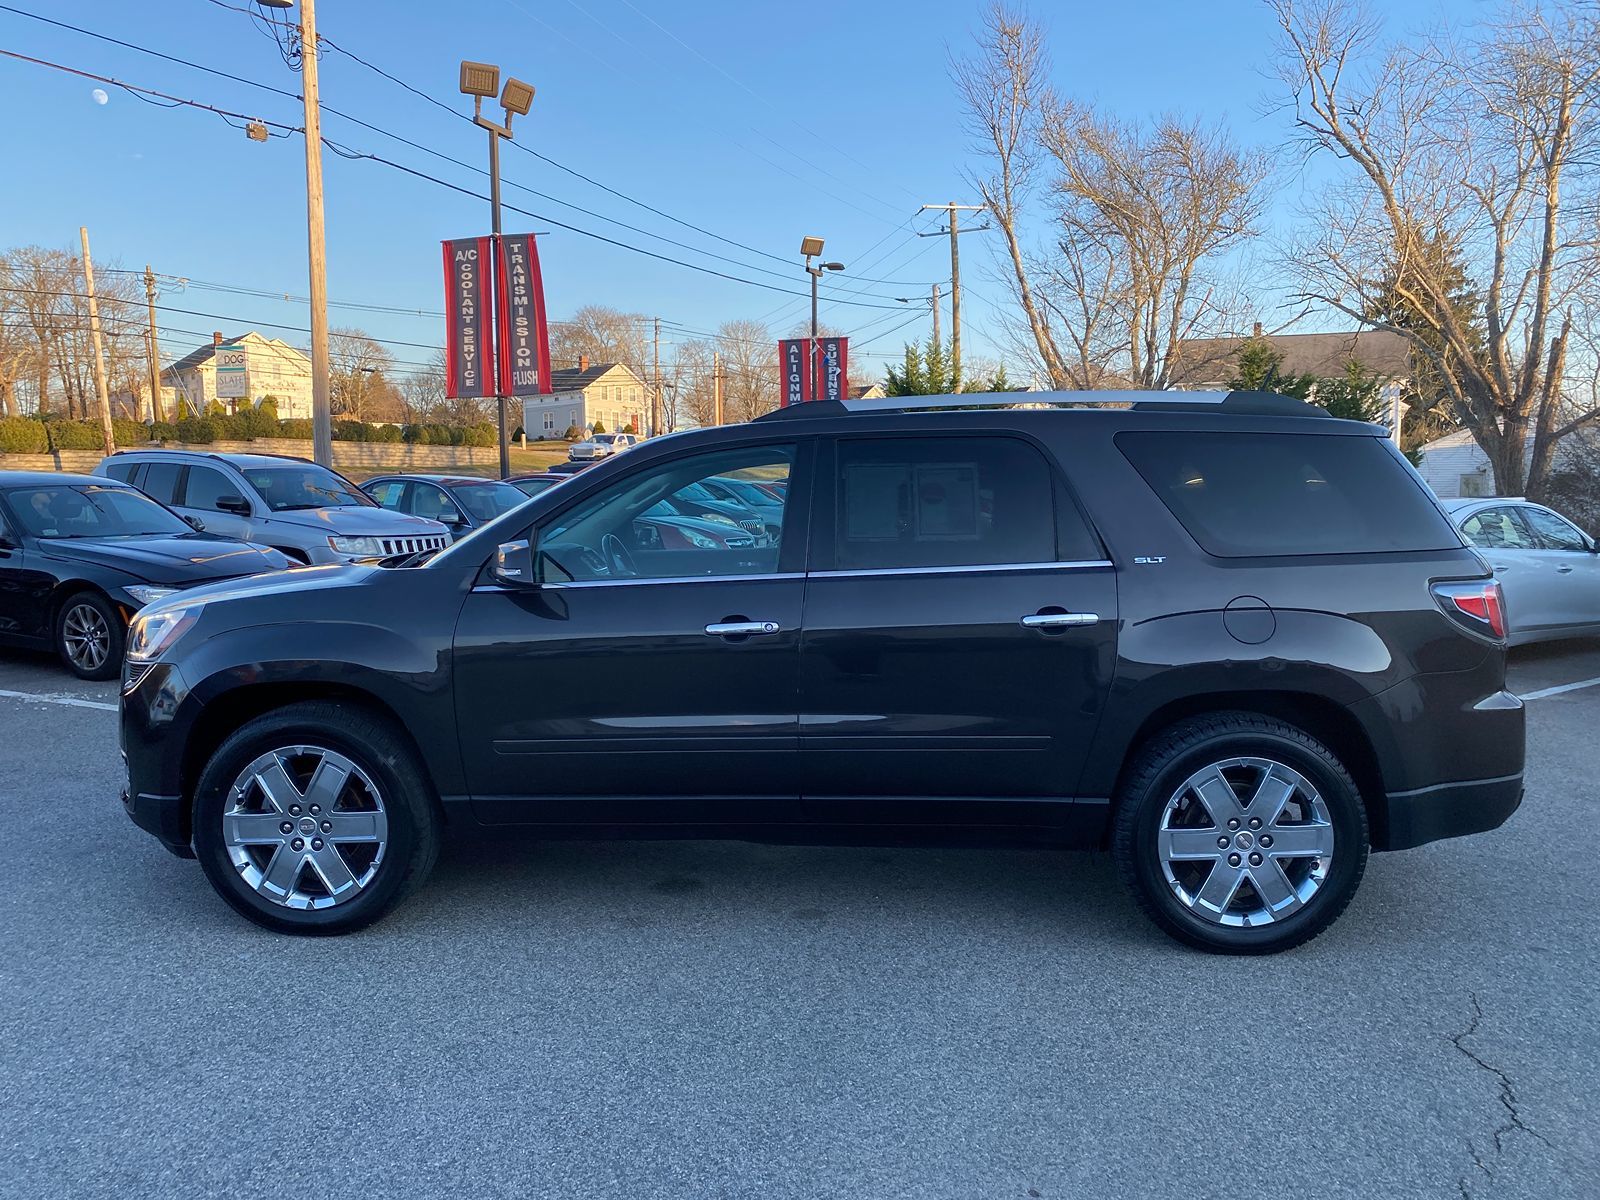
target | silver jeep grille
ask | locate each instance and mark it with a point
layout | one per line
(413, 545)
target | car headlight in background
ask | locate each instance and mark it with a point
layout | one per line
(144, 593)
(364, 546)
(700, 541)
(154, 631)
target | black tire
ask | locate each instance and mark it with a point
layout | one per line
(1160, 769)
(371, 742)
(85, 606)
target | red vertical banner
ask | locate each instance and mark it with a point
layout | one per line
(794, 369)
(468, 307)
(520, 321)
(834, 368)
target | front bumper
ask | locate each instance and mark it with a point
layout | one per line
(1449, 810)
(162, 816)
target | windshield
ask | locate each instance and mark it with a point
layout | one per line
(486, 501)
(748, 492)
(303, 486)
(604, 438)
(532, 487)
(88, 511)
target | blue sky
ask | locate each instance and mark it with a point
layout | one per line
(758, 122)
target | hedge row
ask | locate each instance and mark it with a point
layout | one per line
(29, 435)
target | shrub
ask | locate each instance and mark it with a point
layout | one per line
(129, 433)
(254, 423)
(386, 433)
(269, 409)
(598, 428)
(350, 431)
(76, 435)
(573, 434)
(23, 435)
(628, 428)
(295, 427)
(198, 431)
(217, 409)
(163, 431)
(482, 435)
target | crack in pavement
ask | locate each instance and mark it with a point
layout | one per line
(1508, 1101)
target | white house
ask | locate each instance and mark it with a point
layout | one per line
(273, 368)
(1454, 465)
(605, 393)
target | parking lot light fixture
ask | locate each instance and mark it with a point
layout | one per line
(479, 79)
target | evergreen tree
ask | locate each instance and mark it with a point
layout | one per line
(925, 372)
(1258, 371)
(1356, 396)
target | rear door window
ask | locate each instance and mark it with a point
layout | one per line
(122, 472)
(1248, 494)
(1498, 529)
(161, 480)
(908, 503)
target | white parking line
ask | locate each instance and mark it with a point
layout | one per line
(68, 701)
(1559, 688)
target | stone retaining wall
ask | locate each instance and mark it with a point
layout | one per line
(355, 459)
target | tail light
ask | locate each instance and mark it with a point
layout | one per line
(1479, 606)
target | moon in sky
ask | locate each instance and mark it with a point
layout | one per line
(100, 96)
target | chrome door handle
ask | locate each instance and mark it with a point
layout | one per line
(1060, 620)
(742, 628)
(1563, 570)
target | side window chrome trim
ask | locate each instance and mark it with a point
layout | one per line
(971, 569)
(636, 582)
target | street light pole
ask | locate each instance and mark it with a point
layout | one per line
(479, 80)
(810, 247)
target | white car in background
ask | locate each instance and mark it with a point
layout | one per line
(1548, 568)
(601, 445)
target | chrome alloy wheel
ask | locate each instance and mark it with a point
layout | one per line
(1245, 842)
(86, 637)
(305, 827)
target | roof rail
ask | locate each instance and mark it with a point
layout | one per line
(1241, 402)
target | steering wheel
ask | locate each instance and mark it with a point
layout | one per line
(618, 556)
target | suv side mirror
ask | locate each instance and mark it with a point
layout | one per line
(237, 505)
(513, 563)
(195, 522)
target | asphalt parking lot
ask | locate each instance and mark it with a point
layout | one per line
(725, 1020)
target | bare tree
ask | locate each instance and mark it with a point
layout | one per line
(1461, 149)
(358, 366)
(693, 402)
(1003, 89)
(602, 334)
(1146, 216)
(750, 369)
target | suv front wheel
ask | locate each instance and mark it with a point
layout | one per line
(1240, 834)
(314, 819)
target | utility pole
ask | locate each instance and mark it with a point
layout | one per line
(954, 230)
(106, 435)
(716, 385)
(157, 410)
(655, 395)
(317, 238)
(936, 314)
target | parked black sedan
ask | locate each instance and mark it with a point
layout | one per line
(79, 555)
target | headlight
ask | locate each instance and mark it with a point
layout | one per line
(155, 631)
(144, 593)
(700, 541)
(362, 546)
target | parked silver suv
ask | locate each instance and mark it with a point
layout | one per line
(310, 513)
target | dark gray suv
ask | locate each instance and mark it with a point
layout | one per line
(1232, 639)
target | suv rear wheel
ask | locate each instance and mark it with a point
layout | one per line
(314, 819)
(1240, 834)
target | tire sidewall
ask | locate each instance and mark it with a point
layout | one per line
(118, 637)
(275, 732)
(1345, 813)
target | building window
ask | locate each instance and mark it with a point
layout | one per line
(549, 421)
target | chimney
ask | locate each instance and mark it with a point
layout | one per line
(216, 338)
(1256, 332)
(583, 362)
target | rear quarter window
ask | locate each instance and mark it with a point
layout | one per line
(1243, 495)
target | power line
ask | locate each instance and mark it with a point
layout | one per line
(346, 152)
